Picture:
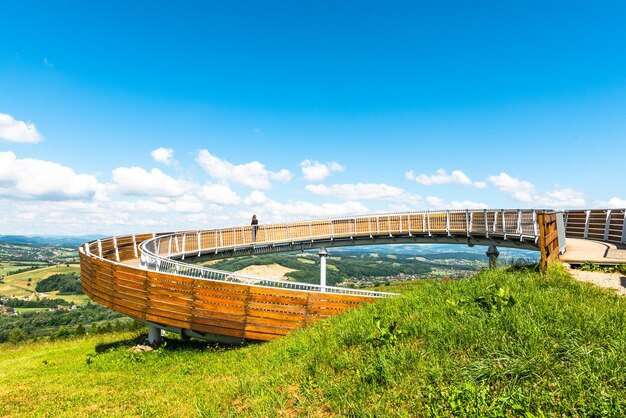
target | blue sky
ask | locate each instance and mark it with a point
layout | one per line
(296, 110)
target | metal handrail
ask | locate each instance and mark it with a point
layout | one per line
(524, 225)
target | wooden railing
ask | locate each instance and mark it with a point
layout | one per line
(597, 224)
(548, 238)
(164, 290)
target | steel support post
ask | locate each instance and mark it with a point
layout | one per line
(323, 254)
(493, 254)
(155, 338)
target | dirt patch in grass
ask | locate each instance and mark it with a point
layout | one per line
(269, 271)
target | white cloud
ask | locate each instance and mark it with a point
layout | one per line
(139, 206)
(163, 155)
(356, 191)
(219, 194)
(272, 210)
(560, 198)
(438, 203)
(283, 176)
(256, 198)
(29, 178)
(17, 130)
(613, 203)
(316, 171)
(524, 191)
(139, 182)
(252, 174)
(442, 177)
(186, 204)
(521, 190)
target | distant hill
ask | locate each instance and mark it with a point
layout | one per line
(62, 240)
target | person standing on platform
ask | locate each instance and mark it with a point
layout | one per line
(255, 226)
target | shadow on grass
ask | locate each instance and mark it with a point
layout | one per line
(169, 344)
(524, 266)
(129, 342)
(622, 281)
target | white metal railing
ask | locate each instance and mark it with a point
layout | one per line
(156, 253)
(597, 224)
(164, 265)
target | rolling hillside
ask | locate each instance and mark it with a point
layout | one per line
(512, 342)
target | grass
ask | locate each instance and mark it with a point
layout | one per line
(17, 284)
(511, 342)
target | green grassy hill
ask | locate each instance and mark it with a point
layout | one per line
(503, 343)
(18, 285)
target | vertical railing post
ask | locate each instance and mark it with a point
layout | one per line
(607, 225)
(542, 241)
(467, 223)
(448, 222)
(323, 253)
(311, 231)
(486, 224)
(428, 223)
(199, 246)
(117, 255)
(535, 224)
(135, 245)
(184, 238)
(587, 216)
(624, 229)
(495, 221)
(408, 220)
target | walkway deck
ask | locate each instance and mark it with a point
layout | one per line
(583, 250)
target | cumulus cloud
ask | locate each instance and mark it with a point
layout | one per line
(521, 190)
(18, 131)
(271, 210)
(139, 182)
(316, 171)
(525, 191)
(163, 155)
(357, 191)
(256, 198)
(442, 177)
(252, 174)
(30, 178)
(283, 176)
(561, 198)
(613, 203)
(186, 204)
(219, 194)
(438, 203)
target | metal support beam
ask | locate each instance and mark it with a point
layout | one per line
(155, 336)
(323, 254)
(493, 254)
(607, 225)
(624, 229)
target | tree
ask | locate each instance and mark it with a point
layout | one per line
(80, 330)
(16, 335)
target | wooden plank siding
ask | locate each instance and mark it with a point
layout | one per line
(229, 309)
(597, 224)
(245, 310)
(548, 239)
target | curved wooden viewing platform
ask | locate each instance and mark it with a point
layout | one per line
(146, 276)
